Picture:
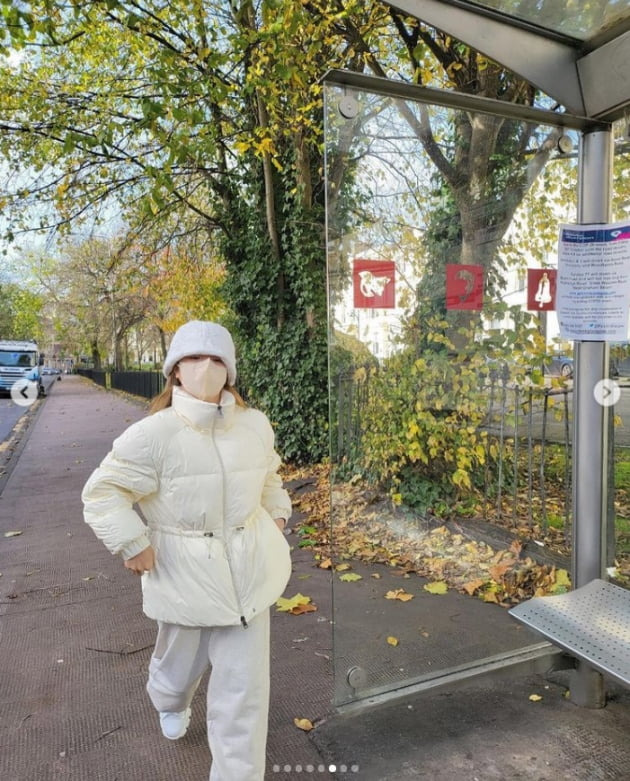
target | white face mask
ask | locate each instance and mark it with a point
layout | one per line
(203, 379)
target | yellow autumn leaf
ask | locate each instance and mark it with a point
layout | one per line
(304, 724)
(242, 146)
(286, 605)
(563, 582)
(349, 577)
(342, 567)
(264, 146)
(438, 587)
(399, 594)
(392, 641)
(535, 697)
(12, 534)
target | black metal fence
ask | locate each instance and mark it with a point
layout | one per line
(96, 375)
(139, 383)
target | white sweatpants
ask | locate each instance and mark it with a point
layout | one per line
(238, 691)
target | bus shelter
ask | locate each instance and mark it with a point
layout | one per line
(425, 378)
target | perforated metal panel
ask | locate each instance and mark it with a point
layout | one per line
(592, 623)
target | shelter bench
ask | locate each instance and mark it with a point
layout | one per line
(591, 623)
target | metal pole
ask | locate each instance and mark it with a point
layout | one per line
(590, 419)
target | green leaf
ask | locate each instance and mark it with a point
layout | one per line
(350, 577)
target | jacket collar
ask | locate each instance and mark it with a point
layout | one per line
(204, 415)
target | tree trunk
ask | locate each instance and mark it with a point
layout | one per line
(96, 356)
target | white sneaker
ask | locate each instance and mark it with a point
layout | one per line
(174, 725)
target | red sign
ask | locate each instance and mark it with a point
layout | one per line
(374, 284)
(541, 289)
(464, 286)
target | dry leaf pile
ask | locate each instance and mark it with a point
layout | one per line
(367, 528)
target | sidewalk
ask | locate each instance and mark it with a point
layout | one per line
(74, 647)
(74, 644)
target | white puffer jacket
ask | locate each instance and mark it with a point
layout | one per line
(205, 479)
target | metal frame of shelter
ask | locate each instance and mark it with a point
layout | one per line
(588, 73)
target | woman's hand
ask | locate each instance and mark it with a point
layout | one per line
(143, 562)
(280, 523)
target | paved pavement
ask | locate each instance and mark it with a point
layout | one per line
(74, 646)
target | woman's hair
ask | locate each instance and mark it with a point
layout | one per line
(165, 398)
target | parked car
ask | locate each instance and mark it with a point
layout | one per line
(559, 366)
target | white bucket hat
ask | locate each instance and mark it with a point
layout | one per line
(199, 337)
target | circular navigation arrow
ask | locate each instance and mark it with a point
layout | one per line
(24, 392)
(607, 393)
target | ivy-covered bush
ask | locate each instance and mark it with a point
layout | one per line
(421, 428)
(423, 421)
(278, 302)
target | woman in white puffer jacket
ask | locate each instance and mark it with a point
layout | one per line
(204, 472)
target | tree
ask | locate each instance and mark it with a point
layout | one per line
(181, 122)
(20, 312)
(214, 110)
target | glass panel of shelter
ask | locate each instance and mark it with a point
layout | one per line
(450, 406)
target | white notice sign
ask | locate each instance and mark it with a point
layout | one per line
(593, 282)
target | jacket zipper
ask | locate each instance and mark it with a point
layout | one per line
(225, 529)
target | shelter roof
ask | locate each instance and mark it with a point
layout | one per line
(577, 51)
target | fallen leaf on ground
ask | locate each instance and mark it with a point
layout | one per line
(326, 564)
(350, 577)
(12, 534)
(438, 587)
(287, 605)
(399, 594)
(535, 697)
(498, 571)
(299, 609)
(392, 641)
(473, 585)
(304, 724)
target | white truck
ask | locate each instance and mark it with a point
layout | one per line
(20, 360)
